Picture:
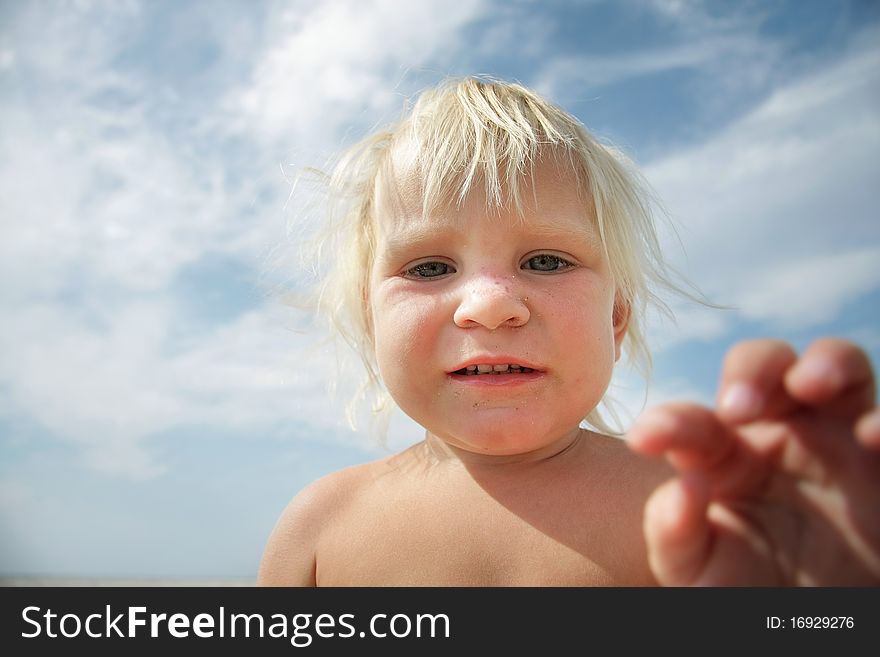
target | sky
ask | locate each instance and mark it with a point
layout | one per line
(160, 405)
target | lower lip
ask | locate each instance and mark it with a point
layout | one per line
(493, 380)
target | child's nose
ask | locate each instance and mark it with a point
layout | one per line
(491, 301)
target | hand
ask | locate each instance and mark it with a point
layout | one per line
(778, 486)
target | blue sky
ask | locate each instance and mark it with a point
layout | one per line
(158, 409)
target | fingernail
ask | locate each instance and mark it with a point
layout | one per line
(741, 401)
(819, 369)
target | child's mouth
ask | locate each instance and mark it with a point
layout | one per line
(481, 370)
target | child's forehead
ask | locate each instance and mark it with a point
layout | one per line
(548, 189)
(400, 183)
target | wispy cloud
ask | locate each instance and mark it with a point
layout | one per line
(809, 291)
(594, 71)
(106, 202)
(727, 49)
(140, 185)
(334, 62)
(795, 174)
(110, 389)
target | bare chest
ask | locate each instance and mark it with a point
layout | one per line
(477, 538)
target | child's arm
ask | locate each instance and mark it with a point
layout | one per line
(780, 485)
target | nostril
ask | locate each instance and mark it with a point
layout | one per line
(491, 304)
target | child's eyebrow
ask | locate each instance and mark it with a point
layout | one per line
(421, 237)
(585, 231)
(418, 236)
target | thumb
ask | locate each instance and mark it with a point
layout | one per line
(677, 530)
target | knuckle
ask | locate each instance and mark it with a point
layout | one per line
(747, 353)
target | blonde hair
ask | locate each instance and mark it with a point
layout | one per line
(480, 130)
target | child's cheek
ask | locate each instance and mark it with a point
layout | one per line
(589, 330)
(406, 326)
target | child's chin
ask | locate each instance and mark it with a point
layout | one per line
(510, 442)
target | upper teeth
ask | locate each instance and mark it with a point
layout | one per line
(495, 369)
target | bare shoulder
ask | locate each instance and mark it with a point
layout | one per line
(289, 556)
(617, 483)
(626, 477)
(614, 457)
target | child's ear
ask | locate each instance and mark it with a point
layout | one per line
(620, 318)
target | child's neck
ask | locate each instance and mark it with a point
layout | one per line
(443, 450)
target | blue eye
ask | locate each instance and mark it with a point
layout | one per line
(429, 270)
(546, 262)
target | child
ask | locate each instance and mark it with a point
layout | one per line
(495, 261)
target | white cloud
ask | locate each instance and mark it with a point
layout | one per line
(100, 211)
(109, 389)
(14, 494)
(778, 212)
(102, 208)
(335, 61)
(592, 71)
(126, 210)
(725, 46)
(95, 190)
(7, 59)
(810, 291)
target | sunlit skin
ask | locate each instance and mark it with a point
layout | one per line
(505, 489)
(468, 287)
(778, 484)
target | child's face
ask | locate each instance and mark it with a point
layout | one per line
(467, 287)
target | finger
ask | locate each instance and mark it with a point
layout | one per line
(677, 531)
(752, 381)
(689, 435)
(834, 374)
(868, 429)
(691, 438)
